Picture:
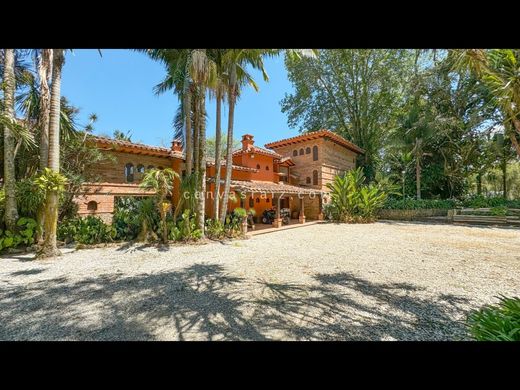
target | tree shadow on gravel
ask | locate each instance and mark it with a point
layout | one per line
(195, 303)
(345, 307)
(204, 302)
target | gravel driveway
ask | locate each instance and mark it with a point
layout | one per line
(382, 281)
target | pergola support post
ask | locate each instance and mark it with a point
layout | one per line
(301, 218)
(277, 223)
(320, 214)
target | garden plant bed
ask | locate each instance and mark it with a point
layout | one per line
(412, 215)
(382, 281)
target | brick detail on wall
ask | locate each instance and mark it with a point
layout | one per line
(113, 170)
(333, 159)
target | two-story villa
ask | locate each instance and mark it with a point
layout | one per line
(290, 173)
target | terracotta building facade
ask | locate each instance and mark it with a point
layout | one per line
(291, 173)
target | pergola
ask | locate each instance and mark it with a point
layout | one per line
(278, 191)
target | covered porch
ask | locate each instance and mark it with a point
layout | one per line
(261, 196)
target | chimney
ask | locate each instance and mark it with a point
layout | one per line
(247, 141)
(177, 145)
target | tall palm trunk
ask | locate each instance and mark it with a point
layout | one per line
(201, 202)
(49, 248)
(196, 131)
(11, 211)
(44, 72)
(218, 147)
(44, 69)
(189, 139)
(229, 146)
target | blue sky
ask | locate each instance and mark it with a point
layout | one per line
(117, 86)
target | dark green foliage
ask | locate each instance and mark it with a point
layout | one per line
(185, 229)
(414, 204)
(500, 322)
(214, 229)
(30, 196)
(352, 200)
(26, 229)
(499, 210)
(126, 220)
(480, 201)
(89, 230)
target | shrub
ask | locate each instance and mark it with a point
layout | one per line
(89, 230)
(479, 201)
(499, 322)
(149, 220)
(27, 228)
(185, 229)
(352, 200)
(215, 229)
(498, 210)
(30, 196)
(415, 204)
(233, 222)
(126, 219)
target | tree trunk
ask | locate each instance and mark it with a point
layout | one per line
(189, 140)
(479, 183)
(418, 152)
(44, 68)
(418, 178)
(218, 147)
(201, 203)
(229, 146)
(11, 211)
(196, 131)
(44, 72)
(49, 248)
(504, 178)
(512, 136)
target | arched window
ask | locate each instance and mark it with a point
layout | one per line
(294, 153)
(92, 205)
(129, 172)
(307, 150)
(308, 180)
(257, 166)
(140, 168)
(314, 153)
(267, 167)
(251, 202)
(301, 152)
(267, 200)
(257, 200)
(315, 178)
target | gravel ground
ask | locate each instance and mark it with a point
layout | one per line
(382, 281)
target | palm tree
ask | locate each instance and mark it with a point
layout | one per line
(161, 181)
(219, 93)
(499, 70)
(45, 60)
(9, 84)
(234, 62)
(49, 248)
